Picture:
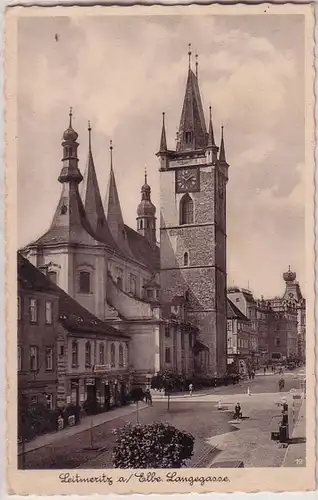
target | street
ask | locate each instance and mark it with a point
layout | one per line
(217, 438)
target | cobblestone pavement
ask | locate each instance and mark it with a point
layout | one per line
(216, 438)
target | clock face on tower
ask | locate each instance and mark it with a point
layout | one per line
(187, 179)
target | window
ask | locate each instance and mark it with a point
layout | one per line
(140, 224)
(182, 341)
(53, 275)
(33, 307)
(237, 300)
(167, 355)
(49, 358)
(229, 325)
(49, 401)
(120, 282)
(150, 294)
(132, 284)
(121, 355)
(74, 353)
(62, 350)
(187, 295)
(277, 342)
(167, 331)
(186, 210)
(33, 358)
(84, 282)
(112, 355)
(19, 358)
(88, 354)
(48, 312)
(101, 354)
(19, 309)
(186, 259)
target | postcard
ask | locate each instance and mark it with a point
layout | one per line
(160, 249)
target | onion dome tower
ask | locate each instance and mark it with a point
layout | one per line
(146, 214)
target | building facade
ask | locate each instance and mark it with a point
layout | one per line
(240, 342)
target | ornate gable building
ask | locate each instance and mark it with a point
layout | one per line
(171, 301)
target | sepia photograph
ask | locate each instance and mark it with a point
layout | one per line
(162, 301)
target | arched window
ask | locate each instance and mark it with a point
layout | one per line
(188, 137)
(186, 210)
(121, 355)
(112, 355)
(186, 259)
(88, 354)
(120, 282)
(187, 295)
(84, 282)
(74, 353)
(140, 224)
(101, 354)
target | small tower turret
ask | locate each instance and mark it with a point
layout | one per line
(146, 214)
(212, 149)
(70, 171)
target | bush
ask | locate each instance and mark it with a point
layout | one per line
(36, 420)
(154, 446)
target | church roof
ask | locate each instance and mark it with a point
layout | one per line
(142, 250)
(233, 312)
(73, 316)
(192, 116)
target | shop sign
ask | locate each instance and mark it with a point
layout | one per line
(102, 368)
(90, 381)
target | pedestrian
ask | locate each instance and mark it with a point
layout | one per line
(253, 374)
(264, 370)
(148, 396)
(281, 384)
(191, 389)
(237, 411)
(249, 391)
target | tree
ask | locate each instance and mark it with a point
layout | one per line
(166, 381)
(137, 394)
(154, 446)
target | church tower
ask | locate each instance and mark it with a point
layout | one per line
(146, 214)
(193, 182)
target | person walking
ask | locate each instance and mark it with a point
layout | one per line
(264, 370)
(281, 384)
(191, 389)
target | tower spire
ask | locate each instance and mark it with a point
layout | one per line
(211, 141)
(163, 140)
(146, 214)
(89, 136)
(196, 65)
(222, 157)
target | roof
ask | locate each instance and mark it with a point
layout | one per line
(192, 116)
(142, 250)
(73, 316)
(233, 312)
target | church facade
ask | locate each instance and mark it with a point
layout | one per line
(170, 299)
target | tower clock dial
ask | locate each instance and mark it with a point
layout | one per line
(187, 180)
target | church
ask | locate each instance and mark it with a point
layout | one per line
(168, 297)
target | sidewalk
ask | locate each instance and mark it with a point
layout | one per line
(296, 452)
(85, 424)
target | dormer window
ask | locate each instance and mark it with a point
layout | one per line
(188, 137)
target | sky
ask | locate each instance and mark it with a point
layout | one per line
(122, 72)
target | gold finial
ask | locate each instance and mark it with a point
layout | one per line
(189, 54)
(111, 154)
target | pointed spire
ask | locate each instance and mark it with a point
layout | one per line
(196, 65)
(163, 140)
(91, 198)
(222, 157)
(192, 128)
(211, 141)
(113, 210)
